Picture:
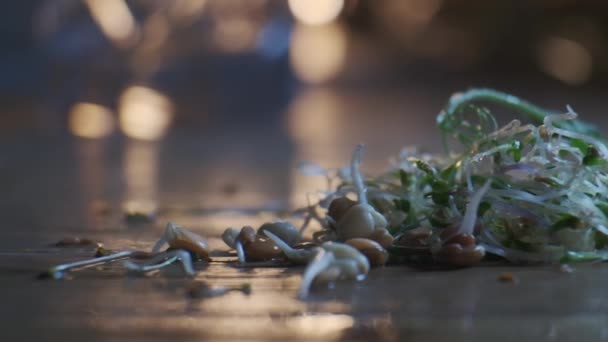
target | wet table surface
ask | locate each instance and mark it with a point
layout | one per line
(225, 175)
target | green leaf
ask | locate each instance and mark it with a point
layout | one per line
(601, 240)
(515, 150)
(580, 144)
(425, 167)
(402, 204)
(566, 221)
(438, 222)
(404, 178)
(572, 256)
(483, 207)
(592, 157)
(603, 206)
(449, 173)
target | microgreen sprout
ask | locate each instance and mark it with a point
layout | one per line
(59, 271)
(510, 190)
(296, 256)
(333, 261)
(257, 246)
(163, 260)
(179, 238)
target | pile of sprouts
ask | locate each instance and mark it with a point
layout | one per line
(527, 192)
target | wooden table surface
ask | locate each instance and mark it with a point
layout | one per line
(232, 171)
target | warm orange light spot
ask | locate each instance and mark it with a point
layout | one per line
(115, 20)
(566, 60)
(318, 53)
(89, 120)
(315, 123)
(316, 12)
(144, 113)
(234, 35)
(141, 177)
(186, 9)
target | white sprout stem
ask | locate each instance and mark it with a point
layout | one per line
(453, 207)
(294, 255)
(163, 260)
(468, 175)
(90, 262)
(527, 197)
(602, 229)
(143, 268)
(571, 115)
(230, 236)
(355, 173)
(322, 260)
(467, 225)
(349, 269)
(240, 251)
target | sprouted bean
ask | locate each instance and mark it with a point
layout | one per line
(334, 261)
(184, 244)
(257, 246)
(179, 238)
(59, 271)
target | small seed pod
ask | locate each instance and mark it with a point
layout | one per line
(256, 247)
(301, 253)
(247, 235)
(339, 206)
(229, 237)
(417, 237)
(459, 250)
(305, 245)
(382, 236)
(375, 253)
(333, 261)
(75, 241)
(343, 251)
(465, 240)
(359, 221)
(285, 230)
(180, 238)
(452, 231)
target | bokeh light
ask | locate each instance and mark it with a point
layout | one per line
(115, 20)
(141, 177)
(314, 124)
(89, 120)
(184, 11)
(407, 19)
(144, 113)
(318, 53)
(566, 60)
(322, 326)
(235, 35)
(316, 12)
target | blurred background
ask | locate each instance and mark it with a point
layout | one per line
(145, 104)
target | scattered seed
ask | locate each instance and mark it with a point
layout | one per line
(200, 290)
(508, 277)
(100, 208)
(136, 217)
(75, 241)
(565, 268)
